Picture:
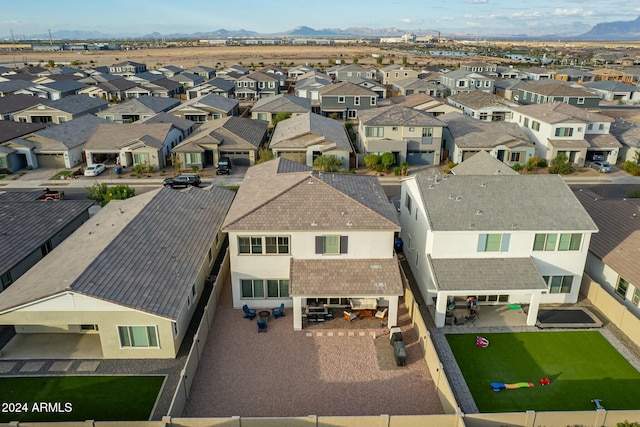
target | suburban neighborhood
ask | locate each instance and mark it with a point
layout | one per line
(335, 243)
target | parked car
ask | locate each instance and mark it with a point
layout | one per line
(95, 169)
(602, 167)
(183, 180)
(224, 166)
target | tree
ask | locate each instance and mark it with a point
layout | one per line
(264, 155)
(355, 59)
(391, 61)
(405, 61)
(371, 160)
(280, 117)
(636, 157)
(561, 165)
(102, 193)
(379, 60)
(327, 163)
(387, 159)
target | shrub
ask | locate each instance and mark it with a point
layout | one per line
(561, 165)
(387, 159)
(405, 167)
(102, 194)
(371, 160)
(451, 164)
(378, 168)
(194, 168)
(516, 167)
(532, 163)
(327, 163)
(397, 171)
(542, 163)
(264, 155)
(632, 167)
(139, 168)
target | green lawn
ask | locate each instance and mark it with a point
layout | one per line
(581, 365)
(77, 398)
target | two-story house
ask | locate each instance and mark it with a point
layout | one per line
(346, 99)
(482, 105)
(61, 110)
(411, 135)
(574, 75)
(465, 81)
(557, 92)
(267, 108)
(207, 107)
(393, 73)
(560, 128)
(416, 85)
(310, 239)
(341, 72)
(138, 109)
(257, 85)
(127, 68)
(480, 67)
(503, 239)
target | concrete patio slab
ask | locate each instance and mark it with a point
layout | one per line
(32, 366)
(88, 366)
(7, 367)
(60, 366)
(53, 346)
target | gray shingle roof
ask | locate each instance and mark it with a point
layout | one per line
(117, 84)
(221, 83)
(72, 133)
(612, 86)
(398, 115)
(486, 274)
(14, 85)
(212, 100)
(25, 226)
(558, 89)
(482, 163)
(472, 133)
(478, 99)
(12, 103)
(304, 201)
(65, 85)
(345, 277)
(309, 129)
(116, 135)
(251, 131)
(10, 130)
(627, 132)
(144, 104)
(282, 103)
(345, 89)
(75, 104)
(501, 203)
(557, 112)
(177, 122)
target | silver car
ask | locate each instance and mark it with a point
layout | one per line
(602, 167)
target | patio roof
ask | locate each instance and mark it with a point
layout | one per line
(345, 277)
(486, 275)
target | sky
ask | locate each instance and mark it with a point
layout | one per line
(482, 17)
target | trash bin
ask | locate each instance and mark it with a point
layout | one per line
(395, 334)
(400, 353)
(117, 170)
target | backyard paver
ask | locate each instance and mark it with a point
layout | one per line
(32, 366)
(61, 366)
(88, 366)
(7, 366)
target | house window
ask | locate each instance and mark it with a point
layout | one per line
(250, 245)
(590, 126)
(621, 287)
(407, 203)
(564, 132)
(252, 288)
(412, 129)
(580, 101)
(332, 244)
(62, 119)
(277, 288)
(545, 242)
(4, 164)
(493, 242)
(356, 100)
(277, 245)
(526, 122)
(255, 288)
(341, 100)
(601, 126)
(565, 99)
(394, 128)
(262, 116)
(515, 157)
(193, 158)
(570, 242)
(559, 284)
(535, 125)
(22, 119)
(636, 296)
(483, 116)
(6, 280)
(373, 100)
(375, 132)
(199, 118)
(138, 336)
(352, 114)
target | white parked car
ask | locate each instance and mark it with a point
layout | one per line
(95, 169)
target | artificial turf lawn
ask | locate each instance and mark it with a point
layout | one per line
(107, 398)
(581, 365)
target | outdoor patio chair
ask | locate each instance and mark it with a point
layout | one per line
(249, 313)
(349, 316)
(262, 325)
(278, 312)
(381, 314)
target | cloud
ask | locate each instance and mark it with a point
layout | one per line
(411, 21)
(478, 1)
(526, 15)
(573, 12)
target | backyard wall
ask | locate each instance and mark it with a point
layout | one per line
(611, 307)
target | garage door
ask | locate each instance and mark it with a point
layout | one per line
(416, 158)
(50, 160)
(238, 158)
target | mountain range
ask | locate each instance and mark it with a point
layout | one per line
(620, 30)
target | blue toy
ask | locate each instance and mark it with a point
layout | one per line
(598, 403)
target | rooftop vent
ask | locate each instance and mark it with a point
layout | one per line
(458, 198)
(483, 185)
(452, 197)
(349, 224)
(376, 266)
(314, 224)
(478, 212)
(381, 284)
(431, 187)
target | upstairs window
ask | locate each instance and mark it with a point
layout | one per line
(332, 244)
(493, 242)
(564, 131)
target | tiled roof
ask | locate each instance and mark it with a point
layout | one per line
(482, 163)
(10, 129)
(260, 77)
(72, 133)
(558, 112)
(612, 86)
(309, 201)
(486, 274)
(477, 99)
(345, 89)
(309, 129)
(398, 115)
(231, 132)
(25, 226)
(472, 133)
(558, 89)
(12, 103)
(624, 258)
(177, 122)
(116, 135)
(143, 104)
(345, 277)
(602, 141)
(75, 104)
(501, 203)
(282, 103)
(627, 132)
(221, 103)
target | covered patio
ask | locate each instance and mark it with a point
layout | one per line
(53, 346)
(338, 283)
(492, 281)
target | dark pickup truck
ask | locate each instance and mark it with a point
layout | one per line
(184, 180)
(224, 166)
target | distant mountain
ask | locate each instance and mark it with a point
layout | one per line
(619, 30)
(74, 35)
(304, 31)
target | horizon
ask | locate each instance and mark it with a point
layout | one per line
(479, 17)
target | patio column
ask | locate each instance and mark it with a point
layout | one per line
(392, 314)
(441, 310)
(297, 313)
(534, 305)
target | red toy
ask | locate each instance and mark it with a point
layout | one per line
(482, 342)
(545, 381)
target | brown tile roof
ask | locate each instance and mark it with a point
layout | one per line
(345, 277)
(116, 135)
(624, 258)
(558, 89)
(309, 201)
(556, 112)
(602, 141)
(478, 99)
(345, 88)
